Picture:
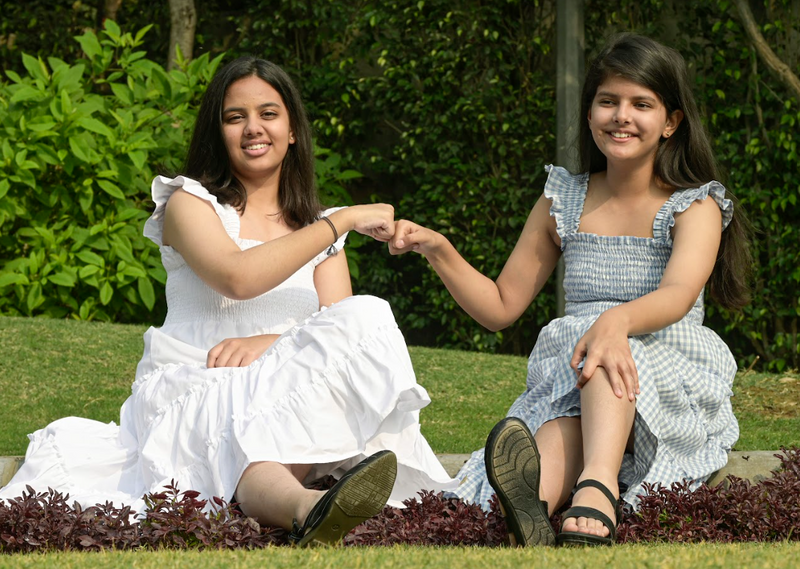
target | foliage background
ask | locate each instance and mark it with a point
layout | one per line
(446, 108)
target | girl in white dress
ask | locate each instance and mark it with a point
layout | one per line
(267, 372)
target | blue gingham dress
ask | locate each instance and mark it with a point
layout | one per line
(684, 425)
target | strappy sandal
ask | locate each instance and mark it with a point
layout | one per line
(579, 538)
(360, 494)
(513, 467)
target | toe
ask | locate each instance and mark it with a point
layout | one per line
(570, 524)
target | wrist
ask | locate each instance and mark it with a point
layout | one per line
(342, 220)
(437, 248)
(619, 317)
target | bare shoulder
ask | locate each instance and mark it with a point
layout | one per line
(187, 214)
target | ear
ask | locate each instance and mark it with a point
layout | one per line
(291, 137)
(673, 120)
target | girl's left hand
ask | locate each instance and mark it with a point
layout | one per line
(605, 345)
(239, 352)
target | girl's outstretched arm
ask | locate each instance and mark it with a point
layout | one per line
(696, 238)
(193, 229)
(494, 304)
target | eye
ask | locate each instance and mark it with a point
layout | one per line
(269, 114)
(642, 105)
(230, 119)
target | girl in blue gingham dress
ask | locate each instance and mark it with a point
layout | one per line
(629, 386)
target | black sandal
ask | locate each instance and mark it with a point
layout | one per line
(360, 494)
(513, 467)
(579, 538)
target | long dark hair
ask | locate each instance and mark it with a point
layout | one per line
(684, 160)
(208, 161)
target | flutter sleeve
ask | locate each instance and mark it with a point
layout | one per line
(682, 199)
(566, 193)
(163, 187)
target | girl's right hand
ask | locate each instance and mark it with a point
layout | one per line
(605, 344)
(409, 236)
(374, 220)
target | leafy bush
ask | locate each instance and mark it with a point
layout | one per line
(81, 144)
(447, 109)
(755, 123)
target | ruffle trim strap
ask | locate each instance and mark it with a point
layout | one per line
(680, 201)
(566, 191)
(163, 187)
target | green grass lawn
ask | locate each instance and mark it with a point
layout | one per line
(763, 556)
(55, 368)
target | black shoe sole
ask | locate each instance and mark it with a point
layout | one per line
(360, 494)
(513, 468)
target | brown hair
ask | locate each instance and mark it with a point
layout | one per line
(208, 161)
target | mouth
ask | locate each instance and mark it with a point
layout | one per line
(621, 135)
(258, 146)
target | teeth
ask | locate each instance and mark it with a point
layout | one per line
(621, 135)
(255, 147)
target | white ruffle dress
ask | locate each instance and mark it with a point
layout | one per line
(335, 387)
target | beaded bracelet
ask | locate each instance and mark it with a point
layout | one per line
(331, 250)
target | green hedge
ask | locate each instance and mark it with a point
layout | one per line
(447, 108)
(81, 143)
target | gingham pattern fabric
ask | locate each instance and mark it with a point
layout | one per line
(684, 425)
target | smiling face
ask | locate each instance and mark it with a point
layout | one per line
(628, 121)
(256, 128)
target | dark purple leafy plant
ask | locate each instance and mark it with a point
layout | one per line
(734, 512)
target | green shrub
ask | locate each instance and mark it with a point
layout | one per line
(447, 109)
(755, 123)
(81, 144)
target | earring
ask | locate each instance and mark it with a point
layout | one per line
(666, 134)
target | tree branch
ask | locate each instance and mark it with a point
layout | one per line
(782, 71)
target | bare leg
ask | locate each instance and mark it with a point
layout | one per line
(560, 444)
(606, 423)
(272, 493)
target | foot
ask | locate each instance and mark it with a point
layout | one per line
(513, 468)
(360, 494)
(592, 519)
(591, 497)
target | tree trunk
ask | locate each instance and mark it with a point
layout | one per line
(782, 71)
(110, 9)
(183, 20)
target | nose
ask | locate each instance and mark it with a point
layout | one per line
(253, 127)
(622, 114)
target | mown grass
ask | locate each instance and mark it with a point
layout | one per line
(400, 557)
(50, 369)
(55, 368)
